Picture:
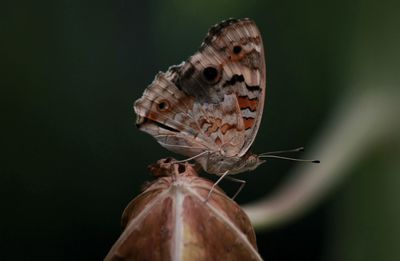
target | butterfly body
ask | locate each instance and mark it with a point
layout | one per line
(210, 106)
(218, 164)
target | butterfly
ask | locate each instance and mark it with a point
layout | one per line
(209, 107)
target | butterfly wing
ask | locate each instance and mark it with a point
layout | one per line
(184, 126)
(230, 62)
(213, 101)
(163, 112)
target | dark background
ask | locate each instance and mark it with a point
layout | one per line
(73, 158)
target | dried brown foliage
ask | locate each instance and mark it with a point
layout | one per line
(171, 220)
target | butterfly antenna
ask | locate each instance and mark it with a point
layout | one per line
(283, 151)
(286, 158)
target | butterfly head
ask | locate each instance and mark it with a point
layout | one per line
(249, 162)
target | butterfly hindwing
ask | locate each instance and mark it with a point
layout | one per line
(184, 126)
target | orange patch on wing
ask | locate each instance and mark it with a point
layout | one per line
(225, 127)
(218, 141)
(193, 126)
(154, 116)
(248, 122)
(202, 121)
(246, 102)
(237, 57)
(215, 124)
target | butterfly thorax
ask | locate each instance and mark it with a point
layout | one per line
(216, 163)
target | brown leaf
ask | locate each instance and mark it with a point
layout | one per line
(171, 220)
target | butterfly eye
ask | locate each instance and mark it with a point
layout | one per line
(237, 49)
(163, 105)
(210, 74)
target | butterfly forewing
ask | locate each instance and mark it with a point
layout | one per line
(230, 60)
(213, 101)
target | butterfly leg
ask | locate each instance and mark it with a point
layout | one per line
(242, 183)
(216, 183)
(191, 158)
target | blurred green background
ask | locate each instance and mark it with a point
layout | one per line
(73, 159)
